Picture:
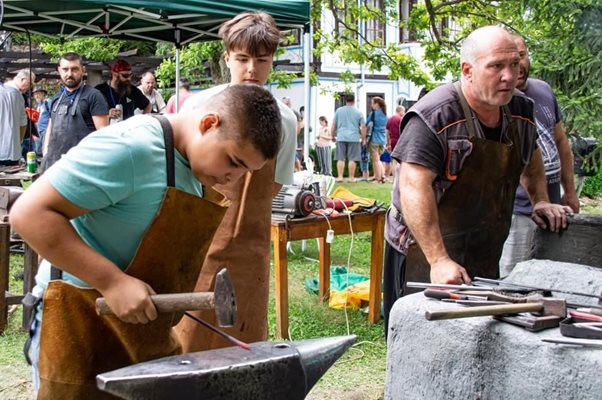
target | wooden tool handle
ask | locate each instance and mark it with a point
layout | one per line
(483, 311)
(169, 302)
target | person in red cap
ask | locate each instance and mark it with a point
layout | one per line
(123, 97)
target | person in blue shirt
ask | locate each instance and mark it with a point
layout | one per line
(43, 107)
(378, 139)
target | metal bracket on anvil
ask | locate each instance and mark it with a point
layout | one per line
(286, 370)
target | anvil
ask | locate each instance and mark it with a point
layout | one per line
(269, 370)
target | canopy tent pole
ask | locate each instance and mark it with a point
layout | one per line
(177, 37)
(306, 88)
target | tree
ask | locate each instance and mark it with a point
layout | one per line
(563, 36)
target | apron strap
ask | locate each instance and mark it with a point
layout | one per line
(466, 109)
(76, 100)
(169, 149)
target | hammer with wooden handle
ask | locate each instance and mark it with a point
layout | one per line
(222, 300)
(547, 306)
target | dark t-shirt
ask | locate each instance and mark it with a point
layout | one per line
(69, 128)
(91, 103)
(130, 103)
(419, 145)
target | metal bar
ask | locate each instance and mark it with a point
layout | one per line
(498, 282)
(422, 285)
(578, 342)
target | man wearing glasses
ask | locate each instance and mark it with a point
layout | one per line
(123, 97)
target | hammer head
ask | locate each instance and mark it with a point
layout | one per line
(553, 306)
(224, 299)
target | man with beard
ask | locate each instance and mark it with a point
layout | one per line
(557, 159)
(75, 111)
(120, 93)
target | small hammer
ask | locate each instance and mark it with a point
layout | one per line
(546, 306)
(222, 299)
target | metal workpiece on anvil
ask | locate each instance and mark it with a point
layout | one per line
(269, 370)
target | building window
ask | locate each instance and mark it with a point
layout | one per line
(345, 21)
(293, 37)
(375, 28)
(405, 9)
(369, 97)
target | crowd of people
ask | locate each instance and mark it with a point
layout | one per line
(357, 139)
(108, 199)
(51, 126)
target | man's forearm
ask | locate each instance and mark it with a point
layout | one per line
(533, 179)
(419, 209)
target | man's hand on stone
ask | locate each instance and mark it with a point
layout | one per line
(447, 271)
(571, 200)
(551, 216)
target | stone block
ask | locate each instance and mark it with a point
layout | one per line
(481, 358)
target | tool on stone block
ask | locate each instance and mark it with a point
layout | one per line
(585, 316)
(473, 288)
(531, 322)
(506, 284)
(222, 299)
(270, 370)
(475, 303)
(446, 294)
(545, 306)
(577, 342)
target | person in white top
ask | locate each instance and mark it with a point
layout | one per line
(148, 85)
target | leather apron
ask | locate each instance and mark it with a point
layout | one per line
(67, 124)
(475, 213)
(76, 344)
(242, 244)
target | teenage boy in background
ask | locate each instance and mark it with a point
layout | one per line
(242, 242)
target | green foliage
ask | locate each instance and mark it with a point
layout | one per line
(593, 184)
(97, 49)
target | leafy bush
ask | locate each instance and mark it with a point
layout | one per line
(593, 184)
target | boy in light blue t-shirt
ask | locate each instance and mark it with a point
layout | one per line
(97, 202)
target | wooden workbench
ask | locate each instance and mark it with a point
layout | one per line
(309, 228)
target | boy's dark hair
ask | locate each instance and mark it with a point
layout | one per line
(349, 97)
(252, 32)
(72, 56)
(252, 110)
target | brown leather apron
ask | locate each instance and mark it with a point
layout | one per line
(242, 244)
(76, 344)
(476, 211)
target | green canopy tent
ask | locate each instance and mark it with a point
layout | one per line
(179, 22)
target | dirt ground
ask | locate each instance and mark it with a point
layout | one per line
(15, 382)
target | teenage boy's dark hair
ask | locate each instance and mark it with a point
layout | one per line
(253, 109)
(252, 32)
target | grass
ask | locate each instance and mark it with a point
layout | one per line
(360, 373)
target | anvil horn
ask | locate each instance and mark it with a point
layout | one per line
(269, 370)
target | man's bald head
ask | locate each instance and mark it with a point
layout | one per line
(490, 66)
(480, 40)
